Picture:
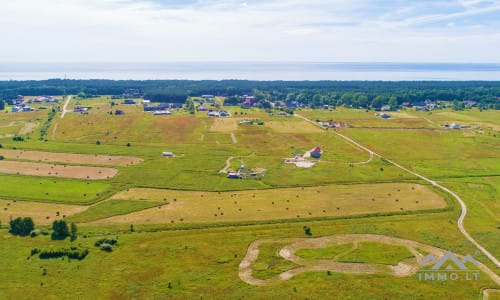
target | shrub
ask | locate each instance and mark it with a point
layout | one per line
(72, 252)
(21, 226)
(106, 247)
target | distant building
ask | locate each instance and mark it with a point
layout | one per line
(129, 101)
(162, 112)
(316, 152)
(385, 108)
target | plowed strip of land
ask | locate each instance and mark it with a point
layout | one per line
(41, 169)
(74, 158)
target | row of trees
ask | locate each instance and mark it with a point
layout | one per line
(60, 230)
(315, 93)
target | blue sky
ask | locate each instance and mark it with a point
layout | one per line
(235, 30)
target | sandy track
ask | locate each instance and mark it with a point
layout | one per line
(406, 267)
(228, 163)
(233, 138)
(64, 110)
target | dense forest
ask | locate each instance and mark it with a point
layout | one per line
(313, 93)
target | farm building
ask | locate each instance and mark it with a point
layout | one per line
(80, 109)
(316, 152)
(213, 113)
(128, 101)
(162, 112)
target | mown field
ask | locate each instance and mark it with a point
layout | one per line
(192, 225)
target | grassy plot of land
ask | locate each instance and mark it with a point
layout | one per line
(111, 208)
(41, 213)
(481, 194)
(197, 263)
(376, 253)
(64, 171)
(293, 125)
(59, 190)
(270, 263)
(324, 253)
(363, 118)
(70, 157)
(133, 127)
(224, 124)
(285, 203)
(435, 153)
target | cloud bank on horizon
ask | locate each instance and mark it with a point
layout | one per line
(236, 30)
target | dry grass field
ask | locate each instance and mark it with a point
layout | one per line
(70, 157)
(63, 171)
(295, 126)
(287, 203)
(42, 213)
(224, 125)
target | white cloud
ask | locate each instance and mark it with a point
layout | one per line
(225, 30)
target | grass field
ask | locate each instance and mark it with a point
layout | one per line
(276, 204)
(198, 263)
(50, 189)
(193, 226)
(110, 208)
(376, 253)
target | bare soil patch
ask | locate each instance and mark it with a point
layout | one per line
(41, 169)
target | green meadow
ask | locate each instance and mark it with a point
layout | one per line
(160, 256)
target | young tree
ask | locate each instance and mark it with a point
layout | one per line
(60, 230)
(74, 231)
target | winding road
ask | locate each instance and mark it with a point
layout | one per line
(434, 183)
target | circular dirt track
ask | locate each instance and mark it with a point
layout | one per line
(405, 267)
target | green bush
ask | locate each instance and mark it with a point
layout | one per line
(21, 226)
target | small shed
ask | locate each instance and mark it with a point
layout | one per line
(316, 152)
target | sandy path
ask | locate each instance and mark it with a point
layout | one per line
(228, 163)
(434, 183)
(406, 267)
(64, 110)
(233, 138)
(54, 130)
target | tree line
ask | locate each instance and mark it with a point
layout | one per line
(313, 93)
